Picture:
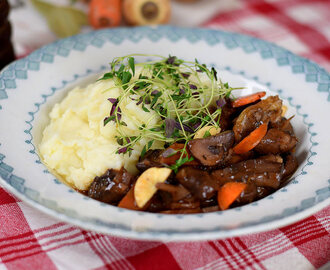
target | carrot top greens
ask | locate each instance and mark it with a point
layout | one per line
(186, 95)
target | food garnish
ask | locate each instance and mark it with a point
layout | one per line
(175, 90)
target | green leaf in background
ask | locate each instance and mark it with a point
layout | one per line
(63, 21)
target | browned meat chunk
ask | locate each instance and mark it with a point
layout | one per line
(150, 159)
(276, 142)
(110, 187)
(227, 116)
(248, 195)
(187, 203)
(213, 150)
(159, 202)
(267, 110)
(182, 211)
(284, 125)
(263, 192)
(260, 172)
(178, 192)
(272, 158)
(210, 209)
(235, 158)
(290, 166)
(198, 182)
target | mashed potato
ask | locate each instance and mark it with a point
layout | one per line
(77, 146)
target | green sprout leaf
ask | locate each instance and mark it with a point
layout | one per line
(131, 63)
(107, 76)
(180, 162)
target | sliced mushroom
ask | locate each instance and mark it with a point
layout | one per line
(145, 186)
(213, 150)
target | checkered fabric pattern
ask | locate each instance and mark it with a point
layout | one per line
(32, 240)
(301, 26)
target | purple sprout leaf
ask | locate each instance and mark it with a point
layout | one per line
(171, 60)
(169, 152)
(140, 101)
(192, 86)
(221, 102)
(185, 127)
(113, 108)
(155, 92)
(214, 72)
(122, 150)
(196, 126)
(113, 100)
(119, 114)
(169, 127)
(182, 91)
(188, 128)
(177, 125)
(185, 75)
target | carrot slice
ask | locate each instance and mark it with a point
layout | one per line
(168, 158)
(251, 141)
(228, 193)
(104, 13)
(241, 101)
(128, 201)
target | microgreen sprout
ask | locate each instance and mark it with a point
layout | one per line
(185, 95)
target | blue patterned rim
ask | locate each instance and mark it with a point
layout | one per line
(20, 69)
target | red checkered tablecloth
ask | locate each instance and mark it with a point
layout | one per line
(30, 239)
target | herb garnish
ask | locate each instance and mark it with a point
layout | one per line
(186, 95)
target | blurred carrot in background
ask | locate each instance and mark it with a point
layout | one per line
(104, 13)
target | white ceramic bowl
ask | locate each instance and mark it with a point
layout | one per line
(29, 88)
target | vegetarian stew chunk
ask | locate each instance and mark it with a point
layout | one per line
(214, 176)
